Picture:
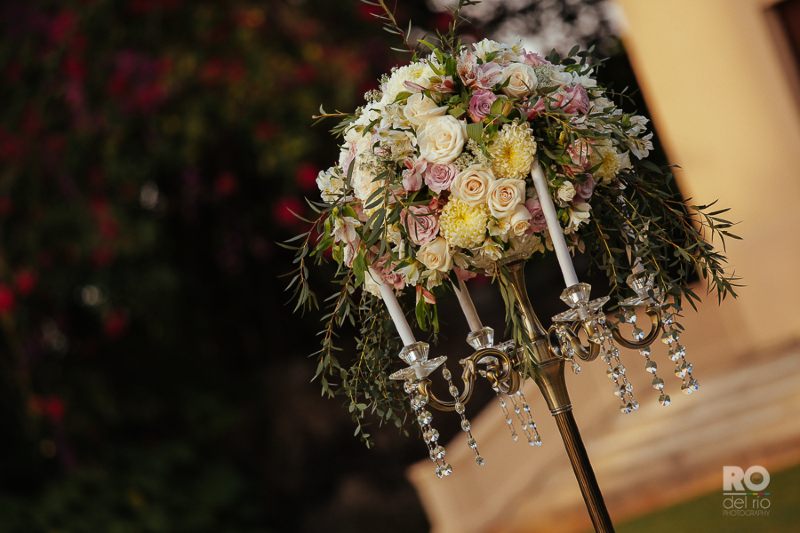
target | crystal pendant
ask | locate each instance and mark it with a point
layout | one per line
(466, 426)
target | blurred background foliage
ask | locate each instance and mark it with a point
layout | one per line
(151, 154)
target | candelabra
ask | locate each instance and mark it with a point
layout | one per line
(545, 353)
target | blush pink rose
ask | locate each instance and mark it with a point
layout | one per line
(573, 99)
(439, 177)
(480, 104)
(422, 224)
(538, 222)
(389, 276)
(412, 175)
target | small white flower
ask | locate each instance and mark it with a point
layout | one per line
(344, 229)
(330, 184)
(566, 192)
(578, 214)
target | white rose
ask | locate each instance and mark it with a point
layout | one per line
(504, 196)
(435, 255)
(441, 139)
(566, 192)
(471, 185)
(521, 80)
(419, 109)
(520, 220)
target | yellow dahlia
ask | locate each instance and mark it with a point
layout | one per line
(513, 150)
(463, 225)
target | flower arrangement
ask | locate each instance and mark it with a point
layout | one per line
(433, 184)
(433, 176)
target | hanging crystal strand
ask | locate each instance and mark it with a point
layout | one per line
(628, 315)
(677, 352)
(429, 434)
(506, 414)
(567, 351)
(526, 420)
(466, 427)
(616, 370)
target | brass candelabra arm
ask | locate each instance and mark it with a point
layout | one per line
(569, 335)
(656, 325)
(493, 364)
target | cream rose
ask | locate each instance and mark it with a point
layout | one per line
(520, 220)
(435, 255)
(566, 192)
(441, 139)
(521, 80)
(471, 185)
(504, 196)
(419, 109)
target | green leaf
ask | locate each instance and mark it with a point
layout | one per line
(475, 132)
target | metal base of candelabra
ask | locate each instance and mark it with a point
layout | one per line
(548, 370)
(583, 471)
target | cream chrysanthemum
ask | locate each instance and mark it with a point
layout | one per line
(463, 225)
(513, 151)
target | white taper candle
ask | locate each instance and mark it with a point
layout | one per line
(395, 311)
(553, 226)
(467, 306)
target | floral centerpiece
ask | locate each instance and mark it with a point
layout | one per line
(433, 184)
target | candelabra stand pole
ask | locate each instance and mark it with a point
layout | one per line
(548, 370)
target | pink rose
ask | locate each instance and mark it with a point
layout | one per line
(533, 59)
(422, 223)
(439, 177)
(412, 175)
(389, 276)
(573, 99)
(480, 104)
(538, 222)
(583, 191)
